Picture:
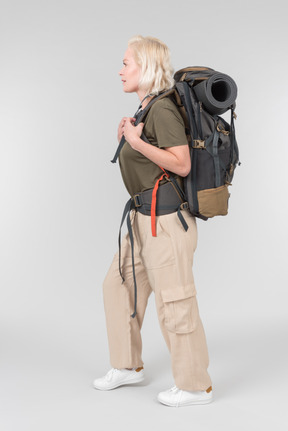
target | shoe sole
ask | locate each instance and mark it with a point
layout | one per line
(126, 382)
(188, 403)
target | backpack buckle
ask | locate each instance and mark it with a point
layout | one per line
(222, 130)
(197, 143)
(136, 199)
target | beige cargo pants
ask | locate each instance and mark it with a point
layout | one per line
(162, 264)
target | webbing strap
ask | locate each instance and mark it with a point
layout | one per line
(126, 213)
(216, 159)
(133, 263)
(233, 139)
(190, 111)
(194, 181)
(127, 209)
(119, 148)
(182, 219)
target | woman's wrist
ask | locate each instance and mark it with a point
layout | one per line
(137, 143)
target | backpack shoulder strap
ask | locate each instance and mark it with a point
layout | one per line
(140, 118)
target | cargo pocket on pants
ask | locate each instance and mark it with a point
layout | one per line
(181, 310)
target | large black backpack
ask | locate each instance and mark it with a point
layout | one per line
(202, 95)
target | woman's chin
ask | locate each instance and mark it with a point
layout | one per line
(127, 90)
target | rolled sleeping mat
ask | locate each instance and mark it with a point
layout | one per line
(217, 93)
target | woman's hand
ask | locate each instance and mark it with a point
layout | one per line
(132, 133)
(121, 126)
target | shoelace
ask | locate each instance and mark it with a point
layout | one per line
(110, 374)
(174, 389)
(178, 393)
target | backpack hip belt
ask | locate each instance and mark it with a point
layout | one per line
(168, 200)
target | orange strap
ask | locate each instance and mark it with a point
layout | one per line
(153, 203)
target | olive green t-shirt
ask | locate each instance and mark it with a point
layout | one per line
(164, 127)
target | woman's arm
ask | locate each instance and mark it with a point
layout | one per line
(175, 159)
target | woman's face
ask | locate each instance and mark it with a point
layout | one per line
(130, 73)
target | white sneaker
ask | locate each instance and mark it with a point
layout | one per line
(115, 378)
(175, 397)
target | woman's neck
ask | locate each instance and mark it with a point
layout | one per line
(142, 94)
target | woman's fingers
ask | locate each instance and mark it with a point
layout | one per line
(130, 119)
(122, 125)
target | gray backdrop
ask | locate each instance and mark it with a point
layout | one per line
(61, 202)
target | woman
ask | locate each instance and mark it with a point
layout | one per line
(162, 261)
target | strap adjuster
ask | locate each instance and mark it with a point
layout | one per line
(184, 206)
(137, 202)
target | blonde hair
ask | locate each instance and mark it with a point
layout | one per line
(153, 57)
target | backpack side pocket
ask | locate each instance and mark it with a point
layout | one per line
(213, 202)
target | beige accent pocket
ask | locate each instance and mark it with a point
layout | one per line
(181, 309)
(213, 202)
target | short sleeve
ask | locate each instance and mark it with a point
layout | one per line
(169, 126)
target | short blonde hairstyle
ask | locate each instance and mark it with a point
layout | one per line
(153, 57)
